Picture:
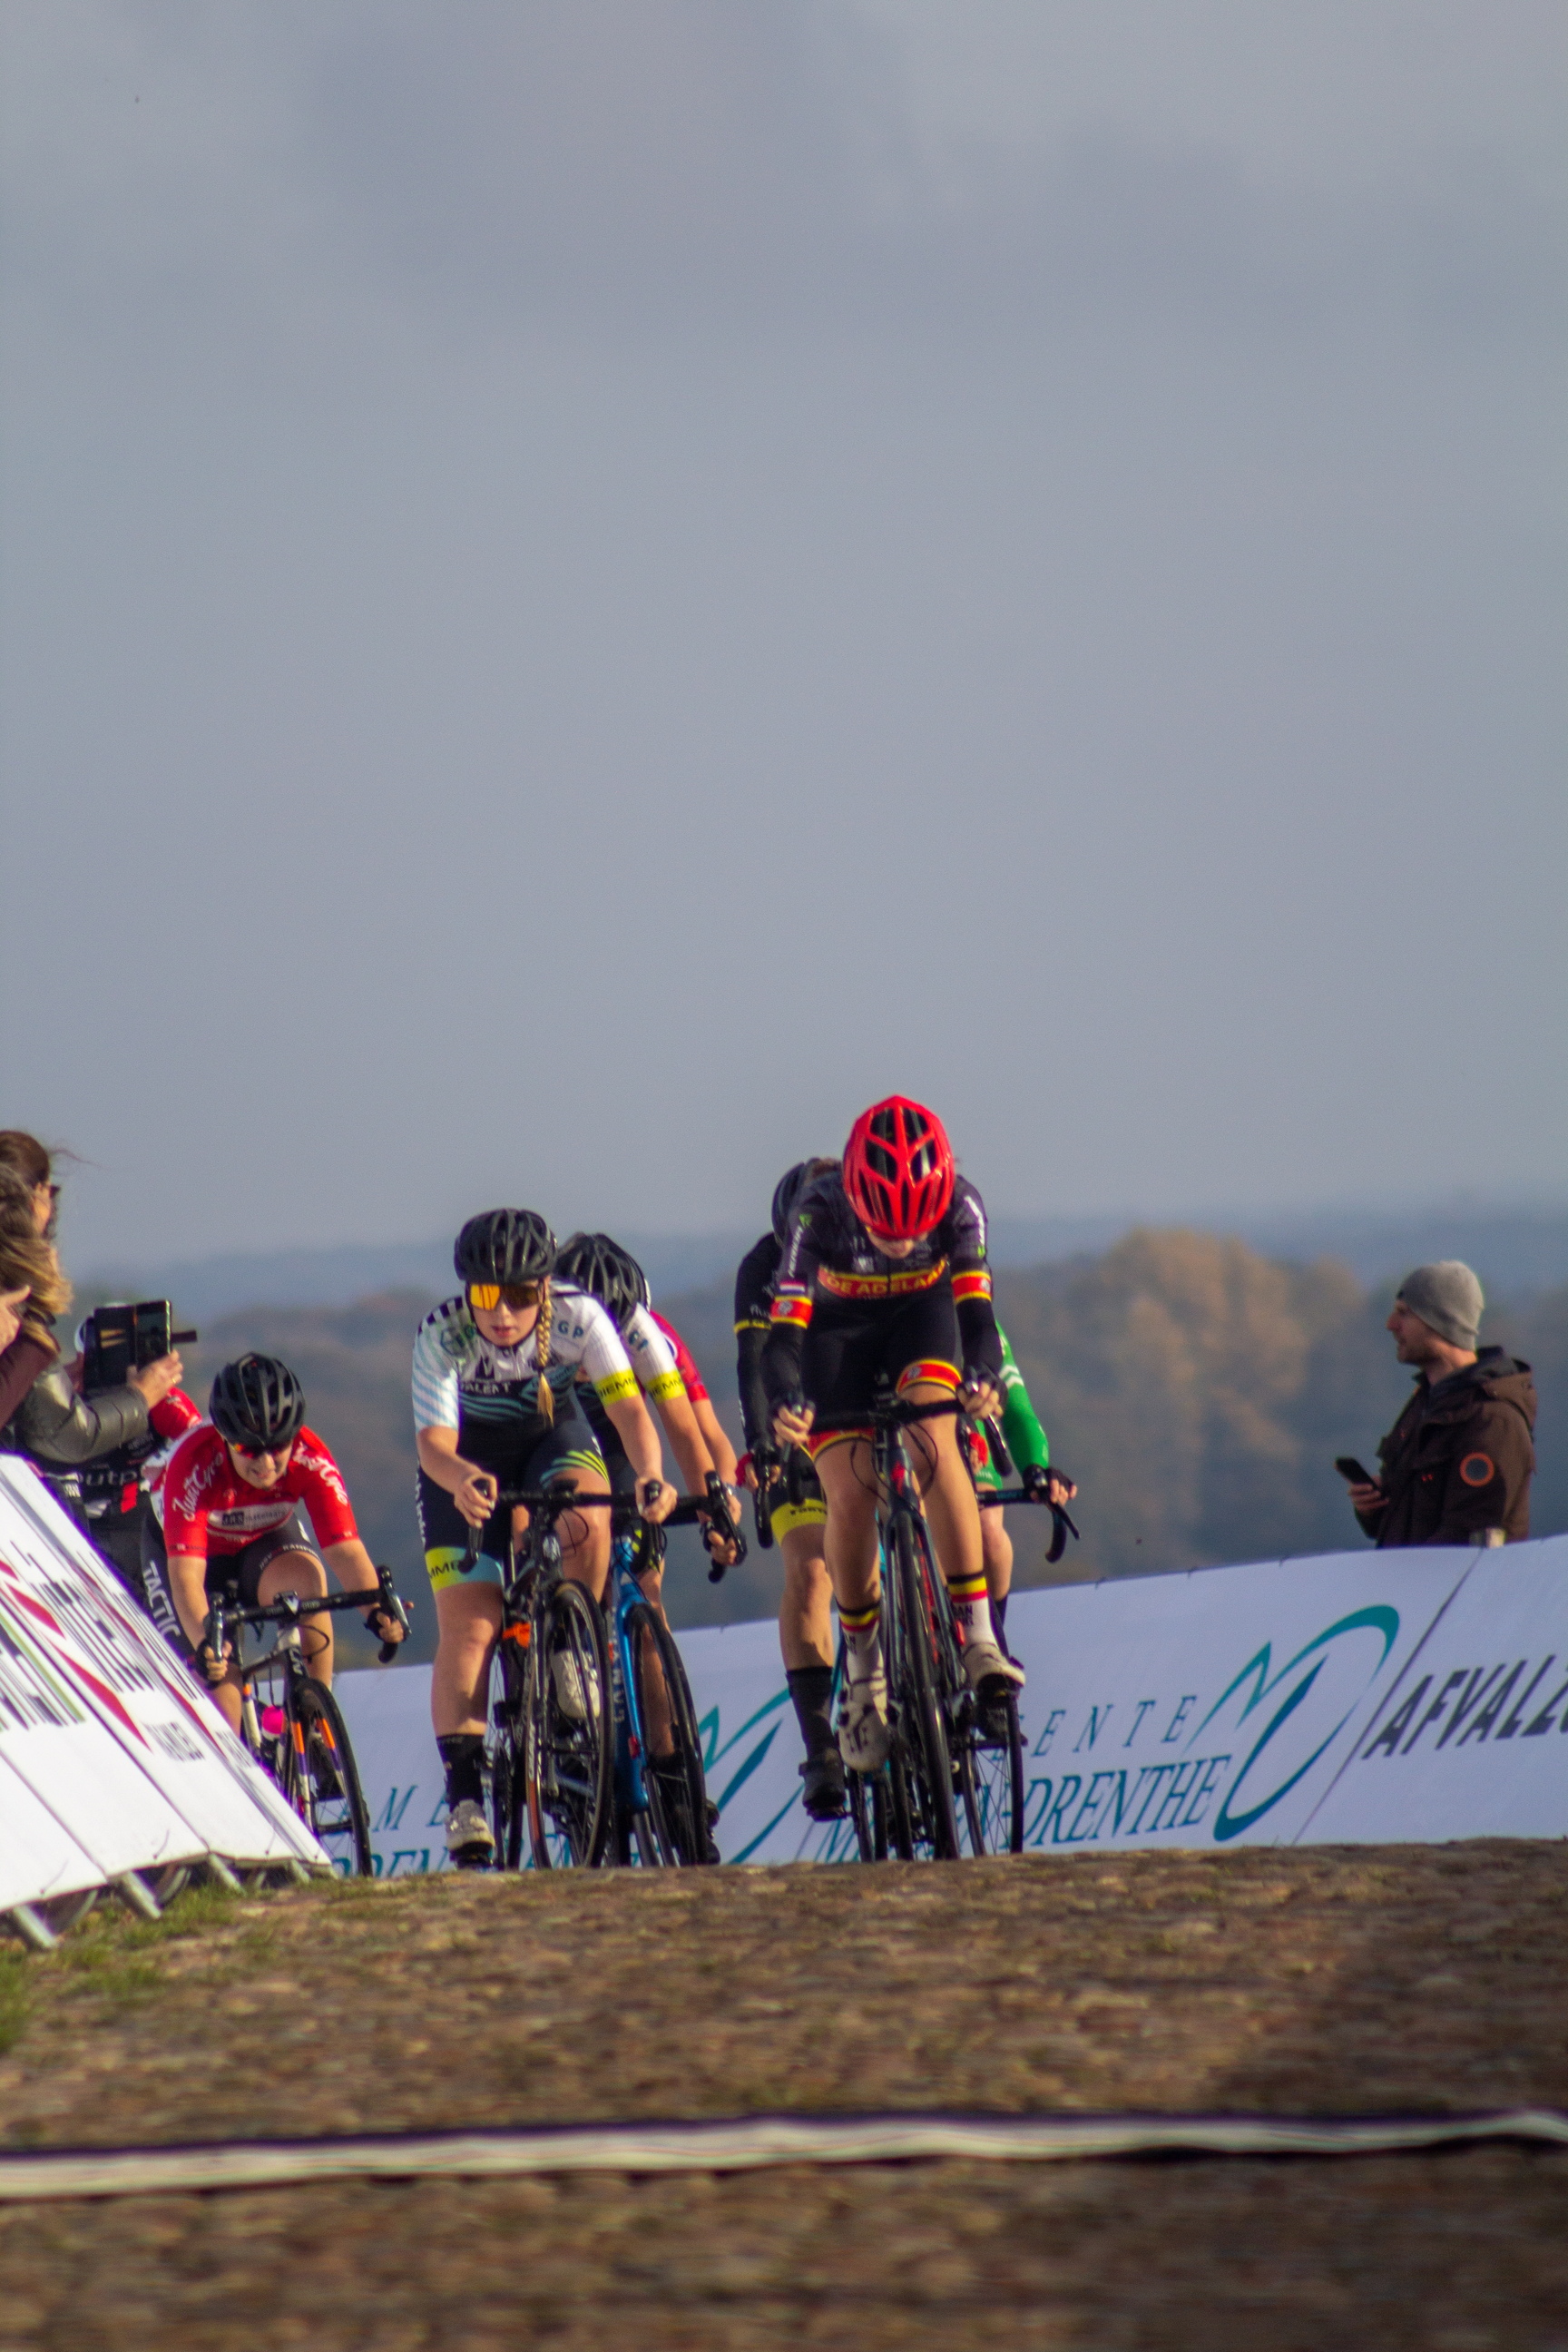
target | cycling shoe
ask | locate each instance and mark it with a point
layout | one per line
(989, 1668)
(823, 1795)
(863, 1736)
(468, 1839)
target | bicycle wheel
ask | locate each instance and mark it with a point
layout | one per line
(321, 1778)
(567, 1755)
(990, 1779)
(920, 1750)
(676, 1817)
(506, 1765)
(870, 1808)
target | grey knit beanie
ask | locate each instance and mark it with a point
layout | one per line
(1448, 1298)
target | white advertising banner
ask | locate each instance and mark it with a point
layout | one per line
(121, 1745)
(39, 1857)
(1282, 1702)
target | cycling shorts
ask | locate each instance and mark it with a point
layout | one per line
(234, 1575)
(563, 1449)
(849, 1345)
(799, 1501)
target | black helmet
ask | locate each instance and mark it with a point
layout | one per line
(788, 1189)
(602, 1268)
(256, 1400)
(505, 1245)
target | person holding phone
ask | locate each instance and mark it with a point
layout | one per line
(1456, 1465)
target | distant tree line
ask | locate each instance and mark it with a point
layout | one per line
(1198, 1391)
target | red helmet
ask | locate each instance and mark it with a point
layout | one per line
(897, 1168)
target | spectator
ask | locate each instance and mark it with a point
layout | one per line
(34, 1164)
(33, 1291)
(1456, 1465)
(45, 1416)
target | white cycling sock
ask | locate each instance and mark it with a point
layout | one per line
(972, 1609)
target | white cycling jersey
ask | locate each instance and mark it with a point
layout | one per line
(455, 1368)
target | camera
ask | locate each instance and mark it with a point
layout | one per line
(119, 1340)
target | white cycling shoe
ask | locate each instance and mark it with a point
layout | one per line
(991, 1669)
(863, 1736)
(469, 1841)
(576, 1693)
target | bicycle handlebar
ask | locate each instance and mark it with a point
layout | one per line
(1061, 1523)
(293, 1605)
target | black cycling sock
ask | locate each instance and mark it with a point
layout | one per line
(999, 1611)
(463, 1755)
(811, 1688)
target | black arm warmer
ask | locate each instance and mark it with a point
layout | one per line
(979, 1340)
(780, 1363)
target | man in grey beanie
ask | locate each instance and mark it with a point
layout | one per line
(1457, 1463)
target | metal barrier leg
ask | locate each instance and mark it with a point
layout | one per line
(140, 1898)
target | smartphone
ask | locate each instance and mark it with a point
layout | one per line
(1351, 1470)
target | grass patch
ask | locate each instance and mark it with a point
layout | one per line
(16, 1991)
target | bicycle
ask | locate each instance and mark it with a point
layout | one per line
(299, 1737)
(953, 1780)
(575, 1774)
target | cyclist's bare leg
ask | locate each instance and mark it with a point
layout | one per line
(806, 1620)
(954, 1518)
(997, 1548)
(302, 1573)
(468, 1623)
(849, 1485)
(946, 1487)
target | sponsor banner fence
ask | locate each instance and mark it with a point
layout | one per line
(1358, 1696)
(126, 1762)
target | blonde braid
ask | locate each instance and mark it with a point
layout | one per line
(541, 1349)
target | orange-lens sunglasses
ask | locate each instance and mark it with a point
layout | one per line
(488, 1296)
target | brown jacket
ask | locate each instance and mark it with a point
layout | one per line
(1460, 1457)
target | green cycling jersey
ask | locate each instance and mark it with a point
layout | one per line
(1026, 1439)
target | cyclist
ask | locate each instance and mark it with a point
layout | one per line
(234, 1499)
(495, 1380)
(667, 1373)
(884, 1276)
(799, 1513)
(1027, 1441)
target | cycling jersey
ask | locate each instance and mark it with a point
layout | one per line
(754, 1281)
(832, 1267)
(490, 1394)
(656, 1352)
(209, 1509)
(686, 1362)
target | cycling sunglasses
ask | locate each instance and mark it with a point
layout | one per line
(264, 1452)
(488, 1296)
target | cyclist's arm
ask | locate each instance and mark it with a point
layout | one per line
(1026, 1440)
(686, 1439)
(753, 1303)
(355, 1571)
(634, 1425)
(189, 1587)
(716, 1439)
(472, 1489)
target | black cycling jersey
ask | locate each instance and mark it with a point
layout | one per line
(831, 1266)
(753, 1313)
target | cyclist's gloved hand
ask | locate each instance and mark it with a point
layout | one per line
(1052, 1486)
(212, 1667)
(383, 1625)
(1036, 1482)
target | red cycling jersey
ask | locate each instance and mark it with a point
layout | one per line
(685, 1361)
(174, 1414)
(209, 1508)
